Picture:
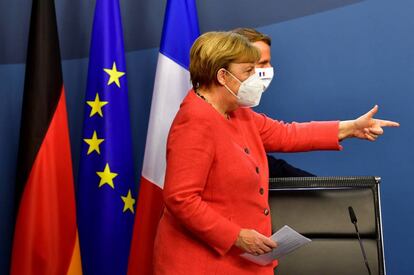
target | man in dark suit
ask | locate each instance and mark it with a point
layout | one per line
(278, 168)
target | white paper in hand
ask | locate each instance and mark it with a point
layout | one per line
(287, 241)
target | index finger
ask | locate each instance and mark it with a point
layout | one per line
(388, 123)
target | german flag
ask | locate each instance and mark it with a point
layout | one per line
(45, 236)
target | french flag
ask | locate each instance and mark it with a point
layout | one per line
(172, 82)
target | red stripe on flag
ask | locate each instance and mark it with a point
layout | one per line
(148, 214)
(45, 232)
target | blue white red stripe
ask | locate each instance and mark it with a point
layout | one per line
(172, 82)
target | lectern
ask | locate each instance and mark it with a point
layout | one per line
(317, 207)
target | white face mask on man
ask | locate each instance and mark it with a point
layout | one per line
(266, 75)
(250, 91)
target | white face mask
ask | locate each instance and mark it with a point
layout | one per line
(250, 91)
(266, 75)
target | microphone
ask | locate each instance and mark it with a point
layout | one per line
(354, 221)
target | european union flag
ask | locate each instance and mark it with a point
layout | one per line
(106, 193)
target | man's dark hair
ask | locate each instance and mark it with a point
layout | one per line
(253, 35)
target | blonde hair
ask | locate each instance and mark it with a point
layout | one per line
(215, 50)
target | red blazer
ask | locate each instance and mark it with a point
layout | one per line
(217, 183)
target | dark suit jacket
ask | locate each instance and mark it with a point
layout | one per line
(279, 168)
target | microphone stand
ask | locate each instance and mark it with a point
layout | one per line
(354, 221)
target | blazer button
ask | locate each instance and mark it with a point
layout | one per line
(261, 191)
(266, 212)
(247, 150)
(257, 170)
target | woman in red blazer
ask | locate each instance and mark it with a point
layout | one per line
(216, 183)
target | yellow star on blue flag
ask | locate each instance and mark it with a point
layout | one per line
(114, 75)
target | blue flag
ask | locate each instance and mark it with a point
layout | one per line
(106, 193)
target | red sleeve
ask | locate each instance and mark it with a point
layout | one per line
(297, 137)
(190, 154)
